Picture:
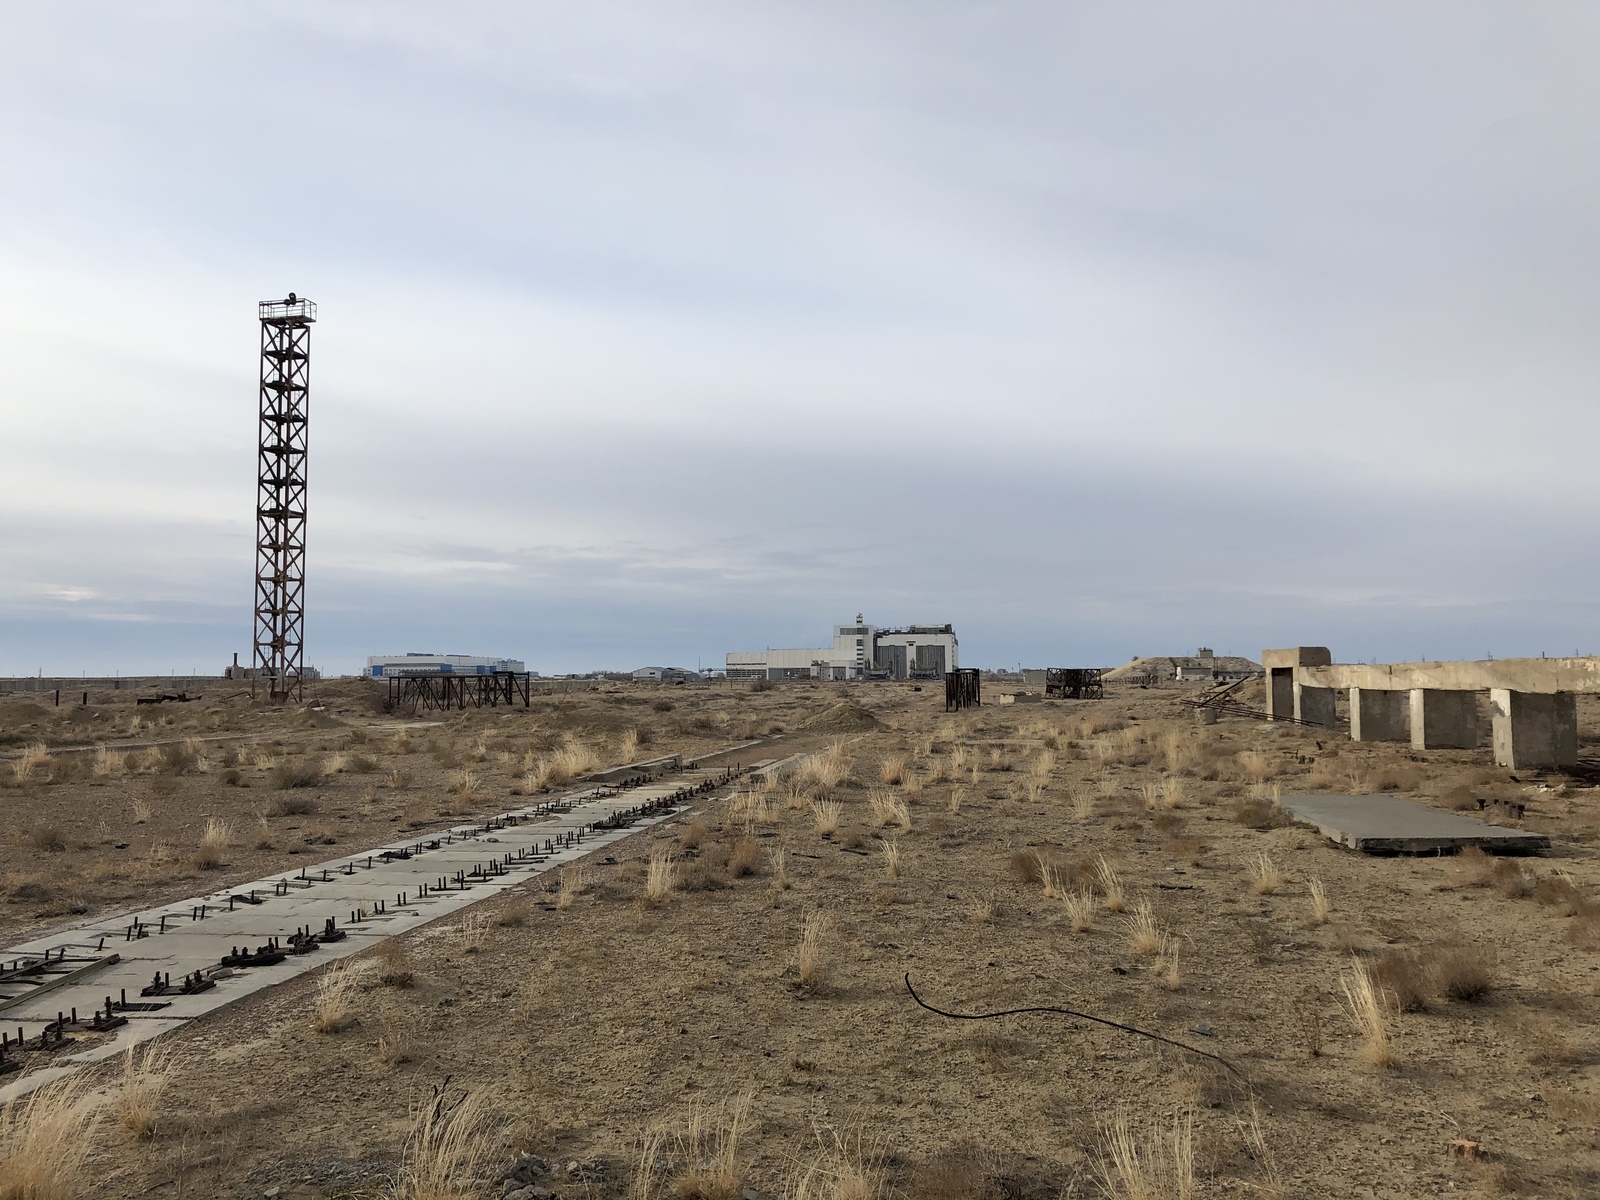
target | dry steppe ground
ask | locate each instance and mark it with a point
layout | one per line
(724, 1008)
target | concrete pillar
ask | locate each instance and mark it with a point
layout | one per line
(1280, 692)
(1443, 720)
(1534, 729)
(1313, 705)
(1377, 715)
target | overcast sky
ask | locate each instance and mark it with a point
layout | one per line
(652, 331)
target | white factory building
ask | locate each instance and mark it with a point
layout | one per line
(859, 651)
(381, 666)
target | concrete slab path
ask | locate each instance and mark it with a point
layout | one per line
(1390, 825)
(367, 897)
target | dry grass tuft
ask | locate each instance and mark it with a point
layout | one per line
(892, 770)
(33, 760)
(628, 747)
(1365, 1006)
(824, 771)
(661, 878)
(1321, 906)
(145, 1074)
(1161, 1167)
(473, 936)
(891, 858)
(1080, 910)
(212, 852)
(826, 815)
(1111, 887)
(449, 1146)
(813, 958)
(1144, 934)
(709, 1148)
(981, 909)
(1265, 878)
(779, 859)
(572, 885)
(335, 1005)
(1167, 970)
(745, 857)
(45, 1141)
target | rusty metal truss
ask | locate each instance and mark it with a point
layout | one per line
(281, 495)
(443, 692)
(961, 689)
(1074, 683)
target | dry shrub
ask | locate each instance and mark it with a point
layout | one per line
(982, 909)
(661, 878)
(47, 837)
(1509, 878)
(1257, 812)
(1561, 892)
(292, 806)
(1403, 977)
(335, 1005)
(462, 783)
(1158, 1167)
(812, 961)
(392, 964)
(746, 855)
(395, 1045)
(1584, 931)
(959, 1172)
(449, 1146)
(826, 815)
(141, 813)
(288, 776)
(692, 834)
(45, 1141)
(1364, 1004)
(212, 852)
(514, 913)
(145, 1074)
(1255, 766)
(1463, 973)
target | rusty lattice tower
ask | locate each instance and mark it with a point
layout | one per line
(281, 495)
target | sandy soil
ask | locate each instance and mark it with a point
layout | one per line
(582, 1028)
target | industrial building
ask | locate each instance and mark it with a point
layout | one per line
(382, 666)
(666, 675)
(859, 651)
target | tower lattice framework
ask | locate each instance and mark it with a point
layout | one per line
(281, 495)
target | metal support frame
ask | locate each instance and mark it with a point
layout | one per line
(1074, 683)
(961, 689)
(281, 495)
(444, 692)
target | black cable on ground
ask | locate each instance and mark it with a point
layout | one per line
(1068, 1012)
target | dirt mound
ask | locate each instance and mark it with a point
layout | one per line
(848, 717)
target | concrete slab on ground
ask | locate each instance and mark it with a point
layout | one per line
(366, 897)
(1390, 825)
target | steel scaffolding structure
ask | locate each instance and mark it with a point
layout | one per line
(444, 692)
(281, 495)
